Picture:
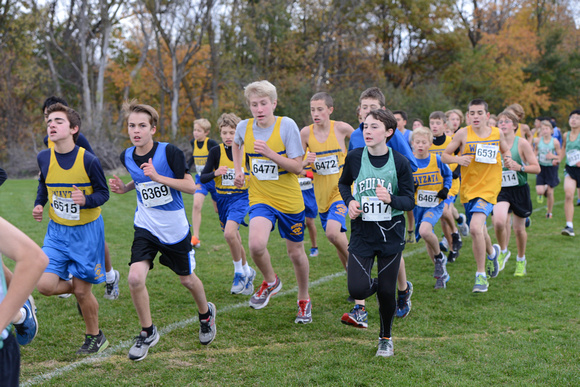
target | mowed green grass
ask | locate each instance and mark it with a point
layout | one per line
(523, 331)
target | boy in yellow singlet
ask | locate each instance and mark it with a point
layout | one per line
(481, 173)
(325, 140)
(201, 145)
(272, 145)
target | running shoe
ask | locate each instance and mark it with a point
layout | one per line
(441, 282)
(249, 288)
(520, 268)
(491, 264)
(503, 258)
(452, 256)
(195, 242)
(528, 222)
(404, 302)
(440, 266)
(314, 252)
(304, 315)
(444, 245)
(261, 298)
(411, 237)
(578, 203)
(481, 284)
(357, 317)
(94, 344)
(549, 215)
(112, 289)
(385, 347)
(456, 243)
(568, 231)
(540, 199)
(207, 328)
(463, 226)
(142, 344)
(239, 283)
(27, 330)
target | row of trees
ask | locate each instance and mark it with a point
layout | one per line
(191, 59)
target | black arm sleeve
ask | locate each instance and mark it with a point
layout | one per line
(176, 161)
(349, 174)
(212, 163)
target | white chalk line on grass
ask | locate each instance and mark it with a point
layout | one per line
(105, 355)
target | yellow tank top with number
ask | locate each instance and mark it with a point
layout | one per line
(200, 155)
(327, 168)
(479, 179)
(283, 194)
(59, 184)
(428, 178)
(224, 185)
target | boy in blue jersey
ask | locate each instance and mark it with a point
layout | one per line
(159, 175)
(30, 263)
(73, 180)
(232, 202)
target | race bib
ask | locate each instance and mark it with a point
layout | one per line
(305, 183)
(228, 178)
(65, 208)
(199, 169)
(264, 169)
(509, 179)
(427, 198)
(542, 158)
(485, 153)
(154, 194)
(327, 165)
(573, 157)
(374, 209)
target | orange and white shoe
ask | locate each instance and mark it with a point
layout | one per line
(195, 242)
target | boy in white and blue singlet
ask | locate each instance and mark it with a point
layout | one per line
(159, 174)
(74, 183)
(272, 145)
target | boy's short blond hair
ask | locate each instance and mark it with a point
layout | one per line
(456, 111)
(322, 96)
(134, 107)
(204, 123)
(548, 124)
(373, 93)
(422, 131)
(228, 119)
(518, 110)
(261, 89)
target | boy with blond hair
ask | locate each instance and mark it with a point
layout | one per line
(159, 174)
(272, 145)
(432, 184)
(201, 145)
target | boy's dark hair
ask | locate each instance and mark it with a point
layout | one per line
(51, 101)
(478, 101)
(387, 118)
(322, 96)
(373, 93)
(575, 111)
(135, 107)
(419, 120)
(402, 113)
(72, 116)
(438, 115)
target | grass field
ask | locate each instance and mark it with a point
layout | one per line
(523, 331)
